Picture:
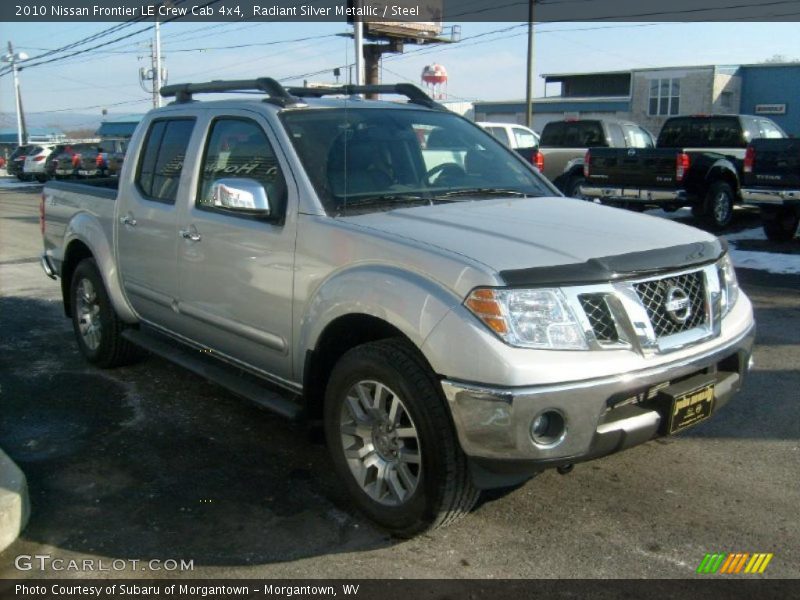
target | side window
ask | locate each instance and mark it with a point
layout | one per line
(500, 133)
(770, 130)
(161, 162)
(615, 133)
(525, 139)
(239, 149)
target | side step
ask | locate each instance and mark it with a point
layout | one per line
(233, 379)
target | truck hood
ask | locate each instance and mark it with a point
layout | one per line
(530, 240)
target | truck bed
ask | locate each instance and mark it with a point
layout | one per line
(63, 200)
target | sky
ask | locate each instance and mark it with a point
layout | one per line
(488, 64)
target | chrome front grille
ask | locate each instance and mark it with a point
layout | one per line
(687, 289)
(600, 318)
(652, 315)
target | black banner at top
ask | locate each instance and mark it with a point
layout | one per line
(416, 13)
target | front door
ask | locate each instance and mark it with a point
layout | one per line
(236, 270)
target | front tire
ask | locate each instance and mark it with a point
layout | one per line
(780, 225)
(392, 441)
(719, 205)
(98, 329)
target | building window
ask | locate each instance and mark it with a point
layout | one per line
(665, 97)
(726, 100)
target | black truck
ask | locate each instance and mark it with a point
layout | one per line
(771, 181)
(698, 161)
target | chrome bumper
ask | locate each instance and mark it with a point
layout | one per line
(633, 194)
(493, 423)
(770, 196)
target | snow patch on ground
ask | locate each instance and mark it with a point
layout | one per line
(13, 182)
(771, 262)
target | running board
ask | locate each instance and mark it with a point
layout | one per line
(233, 379)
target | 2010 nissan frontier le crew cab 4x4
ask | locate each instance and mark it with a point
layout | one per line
(393, 271)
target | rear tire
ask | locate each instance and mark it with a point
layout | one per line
(780, 225)
(98, 329)
(719, 205)
(392, 440)
(573, 187)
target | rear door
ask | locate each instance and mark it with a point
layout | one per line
(236, 270)
(147, 233)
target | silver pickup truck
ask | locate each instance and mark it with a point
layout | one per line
(392, 271)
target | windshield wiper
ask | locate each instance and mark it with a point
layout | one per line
(487, 191)
(390, 200)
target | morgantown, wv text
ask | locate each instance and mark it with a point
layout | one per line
(182, 590)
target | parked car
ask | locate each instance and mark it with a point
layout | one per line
(772, 182)
(16, 161)
(512, 135)
(35, 162)
(563, 147)
(519, 138)
(96, 161)
(456, 326)
(697, 162)
(64, 160)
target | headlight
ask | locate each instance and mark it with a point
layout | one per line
(729, 286)
(528, 318)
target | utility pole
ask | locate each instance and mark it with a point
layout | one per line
(12, 58)
(529, 83)
(157, 72)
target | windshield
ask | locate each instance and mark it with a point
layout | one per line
(372, 159)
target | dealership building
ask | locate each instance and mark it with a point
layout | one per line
(650, 96)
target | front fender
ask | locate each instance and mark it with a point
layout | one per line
(87, 229)
(406, 300)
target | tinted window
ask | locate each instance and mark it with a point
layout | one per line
(162, 160)
(525, 139)
(500, 133)
(238, 148)
(552, 135)
(574, 134)
(702, 132)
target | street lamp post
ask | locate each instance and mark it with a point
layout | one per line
(12, 58)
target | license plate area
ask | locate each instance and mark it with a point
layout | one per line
(688, 403)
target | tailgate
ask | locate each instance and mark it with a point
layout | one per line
(650, 168)
(776, 163)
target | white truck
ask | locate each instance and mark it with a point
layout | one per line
(456, 326)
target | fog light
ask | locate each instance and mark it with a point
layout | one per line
(548, 428)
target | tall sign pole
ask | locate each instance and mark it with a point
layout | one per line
(12, 58)
(529, 82)
(358, 38)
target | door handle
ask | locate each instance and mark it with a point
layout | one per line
(128, 220)
(190, 235)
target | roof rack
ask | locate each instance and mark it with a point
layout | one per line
(277, 93)
(409, 90)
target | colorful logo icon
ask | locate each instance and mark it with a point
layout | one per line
(725, 563)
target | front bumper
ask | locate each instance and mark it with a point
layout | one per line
(644, 196)
(770, 197)
(602, 416)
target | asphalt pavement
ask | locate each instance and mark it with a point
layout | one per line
(149, 462)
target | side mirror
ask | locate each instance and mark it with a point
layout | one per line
(245, 195)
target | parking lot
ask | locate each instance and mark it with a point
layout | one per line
(150, 462)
